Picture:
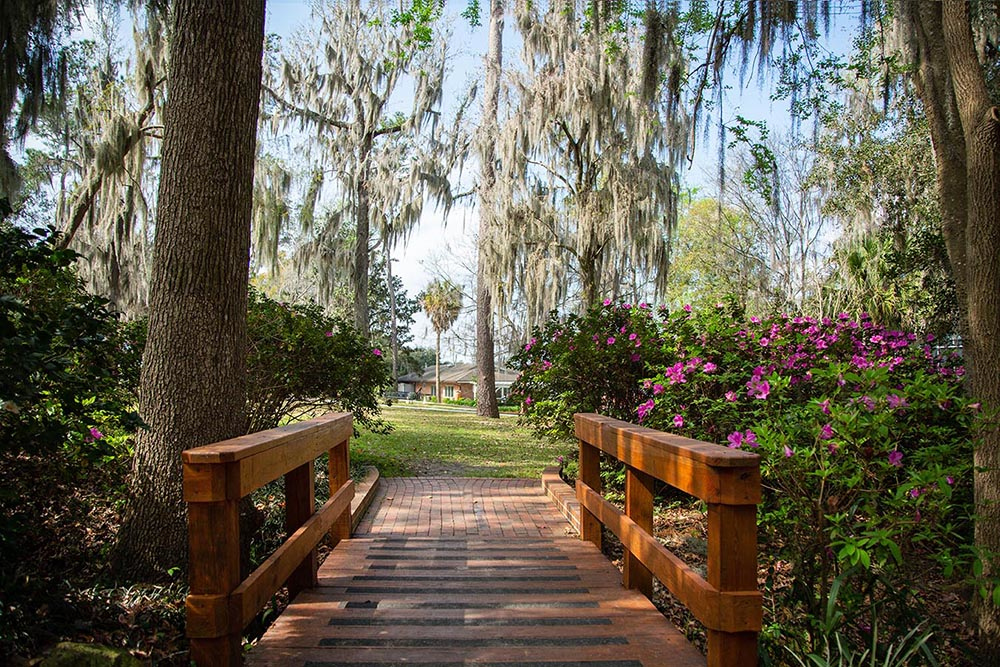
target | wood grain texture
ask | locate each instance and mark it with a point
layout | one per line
(639, 508)
(254, 592)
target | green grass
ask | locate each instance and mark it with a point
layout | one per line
(429, 442)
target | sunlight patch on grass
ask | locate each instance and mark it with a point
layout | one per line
(433, 443)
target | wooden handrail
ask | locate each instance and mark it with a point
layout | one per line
(728, 602)
(216, 477)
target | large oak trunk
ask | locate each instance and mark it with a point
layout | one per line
(965, 128)
(193, 385)
(486, 395)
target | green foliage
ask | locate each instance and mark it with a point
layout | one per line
(302, 362)
(863, 432)
(68, 370)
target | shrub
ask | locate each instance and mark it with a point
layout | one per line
(68, 369)
(864, 437)
(302, 362)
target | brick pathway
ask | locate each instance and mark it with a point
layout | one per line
(451, 572)
(455, 506)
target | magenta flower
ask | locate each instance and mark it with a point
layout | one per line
(657, 389)
(527, 400)
(735, 439)
(764, 342)
(895, 402)
(709, 367)
(788, 452)
(546, 365)
(611, 340)
(950, 480)
(635, 357)
(824, 406)
(750, 439)
(377, 352)
(95, 434)
(896, 458)
(731, 396)
(633, 336)
(826, 432)
(607, 302)
(328, 334)
(915, 492)
(687, 307)
(645, 409)
(678, 421)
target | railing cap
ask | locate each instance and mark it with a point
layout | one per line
(704, 452)
(246, 446)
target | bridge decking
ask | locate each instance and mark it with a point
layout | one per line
(450, 571)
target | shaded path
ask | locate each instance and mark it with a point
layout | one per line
(453, 571)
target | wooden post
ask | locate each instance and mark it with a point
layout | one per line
(300, 504)
(340, 472)
(732, 566)
(639, 508)
(590, 475)
(214, 572)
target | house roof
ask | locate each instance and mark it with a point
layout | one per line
(456, 374)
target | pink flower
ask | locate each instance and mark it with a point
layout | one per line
(764, 342)
(95, 434)
(611, 340)
(678, 421)
(824, 406)
(377, 352)
(750, 439)
(687, 307)
(709, 367)
(645, 409)
(607, 302)
(896, 458)
(546, 365)
(633, 336)
(895, 402)
(788, 452)
(735, 440)
(826, 432)
(915, 492)
(328, 334)
(635, 357)
(758, 388)
(657, 389)
(950, 480)
(527, 400)
(731, 396)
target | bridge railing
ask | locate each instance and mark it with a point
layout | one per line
(220, 604)
(728, 603)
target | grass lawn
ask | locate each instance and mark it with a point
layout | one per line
(427, 442)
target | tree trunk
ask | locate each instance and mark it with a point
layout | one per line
(486, 396)
(362, 238)
(967, 151)
(437, 367)
(393, 326)
(193, 385)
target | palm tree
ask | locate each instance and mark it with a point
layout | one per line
(442, 301)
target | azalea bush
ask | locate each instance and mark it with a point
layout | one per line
(302, 362)
(68, 370)
(864, 436)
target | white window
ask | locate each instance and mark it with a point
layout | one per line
(449, 391)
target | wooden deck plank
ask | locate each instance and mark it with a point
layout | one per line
(535, 600)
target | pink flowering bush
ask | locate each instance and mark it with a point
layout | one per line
(863, 433)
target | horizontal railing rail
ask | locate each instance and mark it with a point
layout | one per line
(216, 477)
(728, 603)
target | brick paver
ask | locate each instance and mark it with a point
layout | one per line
(455, 506)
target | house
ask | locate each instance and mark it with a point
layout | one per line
(457, 381)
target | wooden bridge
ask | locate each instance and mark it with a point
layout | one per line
(451, 571)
